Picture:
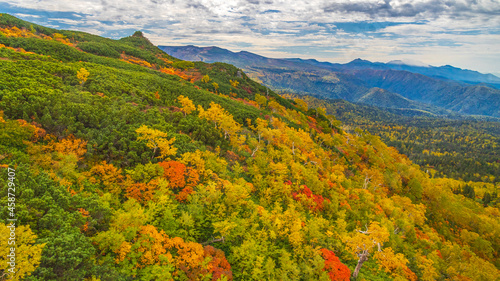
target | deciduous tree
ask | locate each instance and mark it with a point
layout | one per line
(187, 105)
(337, 271)
(82, 75)
(156, 140)
(362, 243)
(26, 256)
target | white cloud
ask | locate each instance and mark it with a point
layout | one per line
(451, 32)
(26, 15)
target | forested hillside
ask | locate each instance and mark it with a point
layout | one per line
(464, 149)
(119, 162)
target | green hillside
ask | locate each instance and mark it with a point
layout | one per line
(119, 162)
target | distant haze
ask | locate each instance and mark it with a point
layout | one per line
(409, 62)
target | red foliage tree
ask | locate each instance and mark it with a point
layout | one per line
(219, 265)
(317, 200)
(336, 270)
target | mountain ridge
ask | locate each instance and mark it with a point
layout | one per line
(358, 76)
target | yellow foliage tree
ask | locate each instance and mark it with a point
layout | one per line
(425, 265)
(82, 75)
(301, 104)
(223, 120)
(187, 104)
(395, 264)
(205, 79)
(320, 111)
(234, 83)
(156, 140)
(27, 253)
(276, 107)
(216, 86)
(401, 209)
(261, 100)
(195, 159)
(214, 113)
(362, 243)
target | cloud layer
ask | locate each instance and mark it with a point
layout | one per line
(464, 33)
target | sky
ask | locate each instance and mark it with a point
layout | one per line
(462, 33)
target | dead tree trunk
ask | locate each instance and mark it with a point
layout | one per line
(362, 258)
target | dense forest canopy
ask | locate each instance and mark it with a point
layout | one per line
(463, 148)
(124, 163)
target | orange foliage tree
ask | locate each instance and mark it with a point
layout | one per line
(153, 247)
(71, 145)
(37, 131)
(180, 178)
(134, 60)
(337, 271)
(142, 192)
(107, 175)
(218, 266)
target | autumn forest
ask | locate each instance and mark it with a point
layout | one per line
(120, 162)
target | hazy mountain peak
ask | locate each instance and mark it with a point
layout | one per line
(409, 62)
(359, 60)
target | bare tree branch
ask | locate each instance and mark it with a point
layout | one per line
(222, 239)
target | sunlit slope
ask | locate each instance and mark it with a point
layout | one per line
(144, 167)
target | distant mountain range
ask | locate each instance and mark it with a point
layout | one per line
(444, 90)
(446, 72)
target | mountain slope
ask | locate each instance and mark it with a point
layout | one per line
(446, 72)
(301, 77)
(459, 149)
(450, 95)
(352, 80)
(382, 98)
(145, 167)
